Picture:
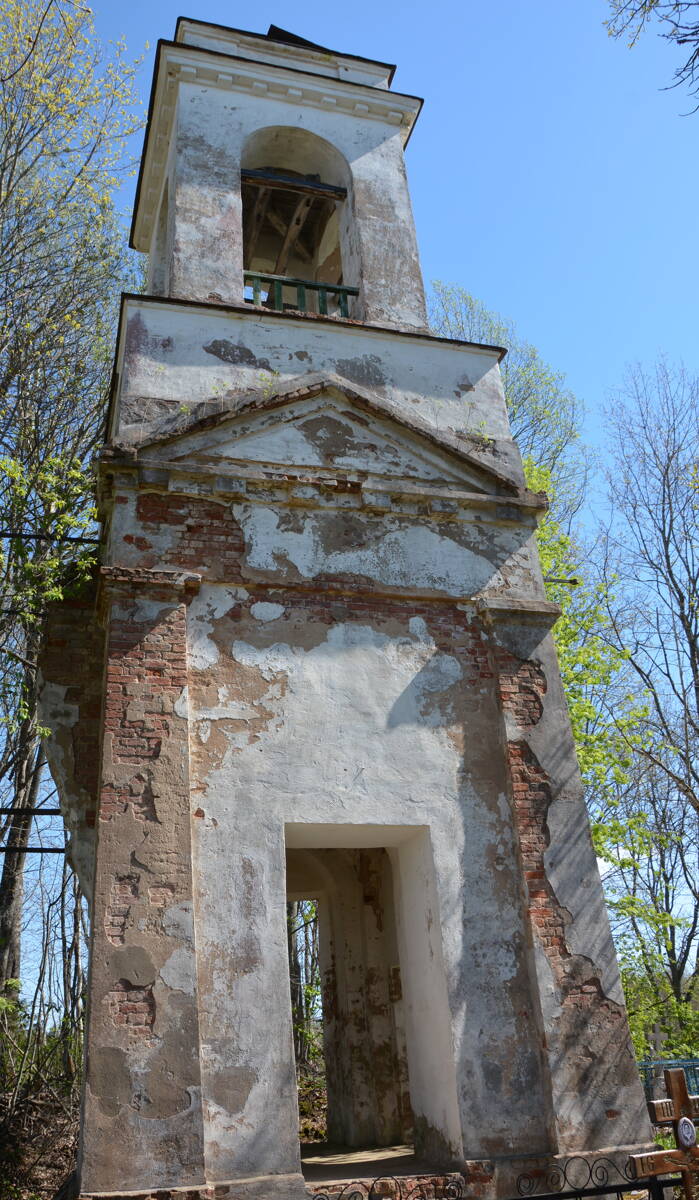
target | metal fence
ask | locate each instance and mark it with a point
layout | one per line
(575, 1180)
(652, 1075)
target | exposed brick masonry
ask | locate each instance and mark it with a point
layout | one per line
(71, 655)
(473, 1181)
(419, 1187)
(203, 534)
(124, 890)
(146, 673)
(522, 687)
(132, 1007)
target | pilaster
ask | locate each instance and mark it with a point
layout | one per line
(142, 1113)
(596, 1093)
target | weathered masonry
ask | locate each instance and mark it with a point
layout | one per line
(316, 662)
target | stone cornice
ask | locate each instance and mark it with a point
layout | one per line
(316, 488)
(319, 60)
(118, 578)
(189, 64)
(509, 608)
(308, 387)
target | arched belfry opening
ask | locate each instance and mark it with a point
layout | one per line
(296, 191)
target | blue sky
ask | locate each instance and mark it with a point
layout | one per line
(551, 174)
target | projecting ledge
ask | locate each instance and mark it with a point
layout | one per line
(504, 607)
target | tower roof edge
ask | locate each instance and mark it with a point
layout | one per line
(192, 31)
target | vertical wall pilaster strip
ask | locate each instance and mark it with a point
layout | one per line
(142, 1115)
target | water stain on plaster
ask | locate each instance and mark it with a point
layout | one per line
(230, 1087)
(333, 437)
(236, 354)
(110, 1062)
(139, 341)
(156, 1095)
(464, 385)
(367, 371)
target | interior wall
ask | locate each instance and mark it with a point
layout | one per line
(430, 1051)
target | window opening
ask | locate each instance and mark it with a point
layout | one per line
(291, 242)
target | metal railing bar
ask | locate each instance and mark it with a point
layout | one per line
(32, 850)
(632, 1187)
(35, 812)
(277, 283)
(293, 281)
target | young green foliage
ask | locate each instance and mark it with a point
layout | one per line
(66, 111)
(592, 667)
(544, 414)
(677, 21)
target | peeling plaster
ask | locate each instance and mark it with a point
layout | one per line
(417, 556)
(264, 611)
(341, 694)
(208, 606)
(177, 971)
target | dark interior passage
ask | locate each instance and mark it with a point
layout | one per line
(361, 1002)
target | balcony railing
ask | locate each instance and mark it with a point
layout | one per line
(274, 287)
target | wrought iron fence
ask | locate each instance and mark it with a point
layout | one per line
(580, 1176)
(395, 1187)
(576, 1179)
(654, 1188)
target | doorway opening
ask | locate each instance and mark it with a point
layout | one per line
(347, 1009)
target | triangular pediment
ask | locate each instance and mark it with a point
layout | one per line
(322, 425)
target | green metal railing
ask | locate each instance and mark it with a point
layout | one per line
(652, 1071)
(274, 286)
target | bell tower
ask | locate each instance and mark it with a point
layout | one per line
(270, 160)
(316, 662)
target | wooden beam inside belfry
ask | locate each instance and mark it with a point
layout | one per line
(258, 216)
(293, 183)
(295, 226)
(281, 227)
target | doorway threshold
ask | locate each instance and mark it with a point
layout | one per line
(322, 1162)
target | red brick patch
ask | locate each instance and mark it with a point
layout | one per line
(132, 1008)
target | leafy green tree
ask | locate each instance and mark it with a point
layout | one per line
(66, 111)
(545, 415)
(650, 564)
(652, 848)
(545, 418)
(604, 709)
(65, 114)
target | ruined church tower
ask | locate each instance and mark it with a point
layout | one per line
(317, 663)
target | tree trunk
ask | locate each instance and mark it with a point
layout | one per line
(295, 979)
(24, 796)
